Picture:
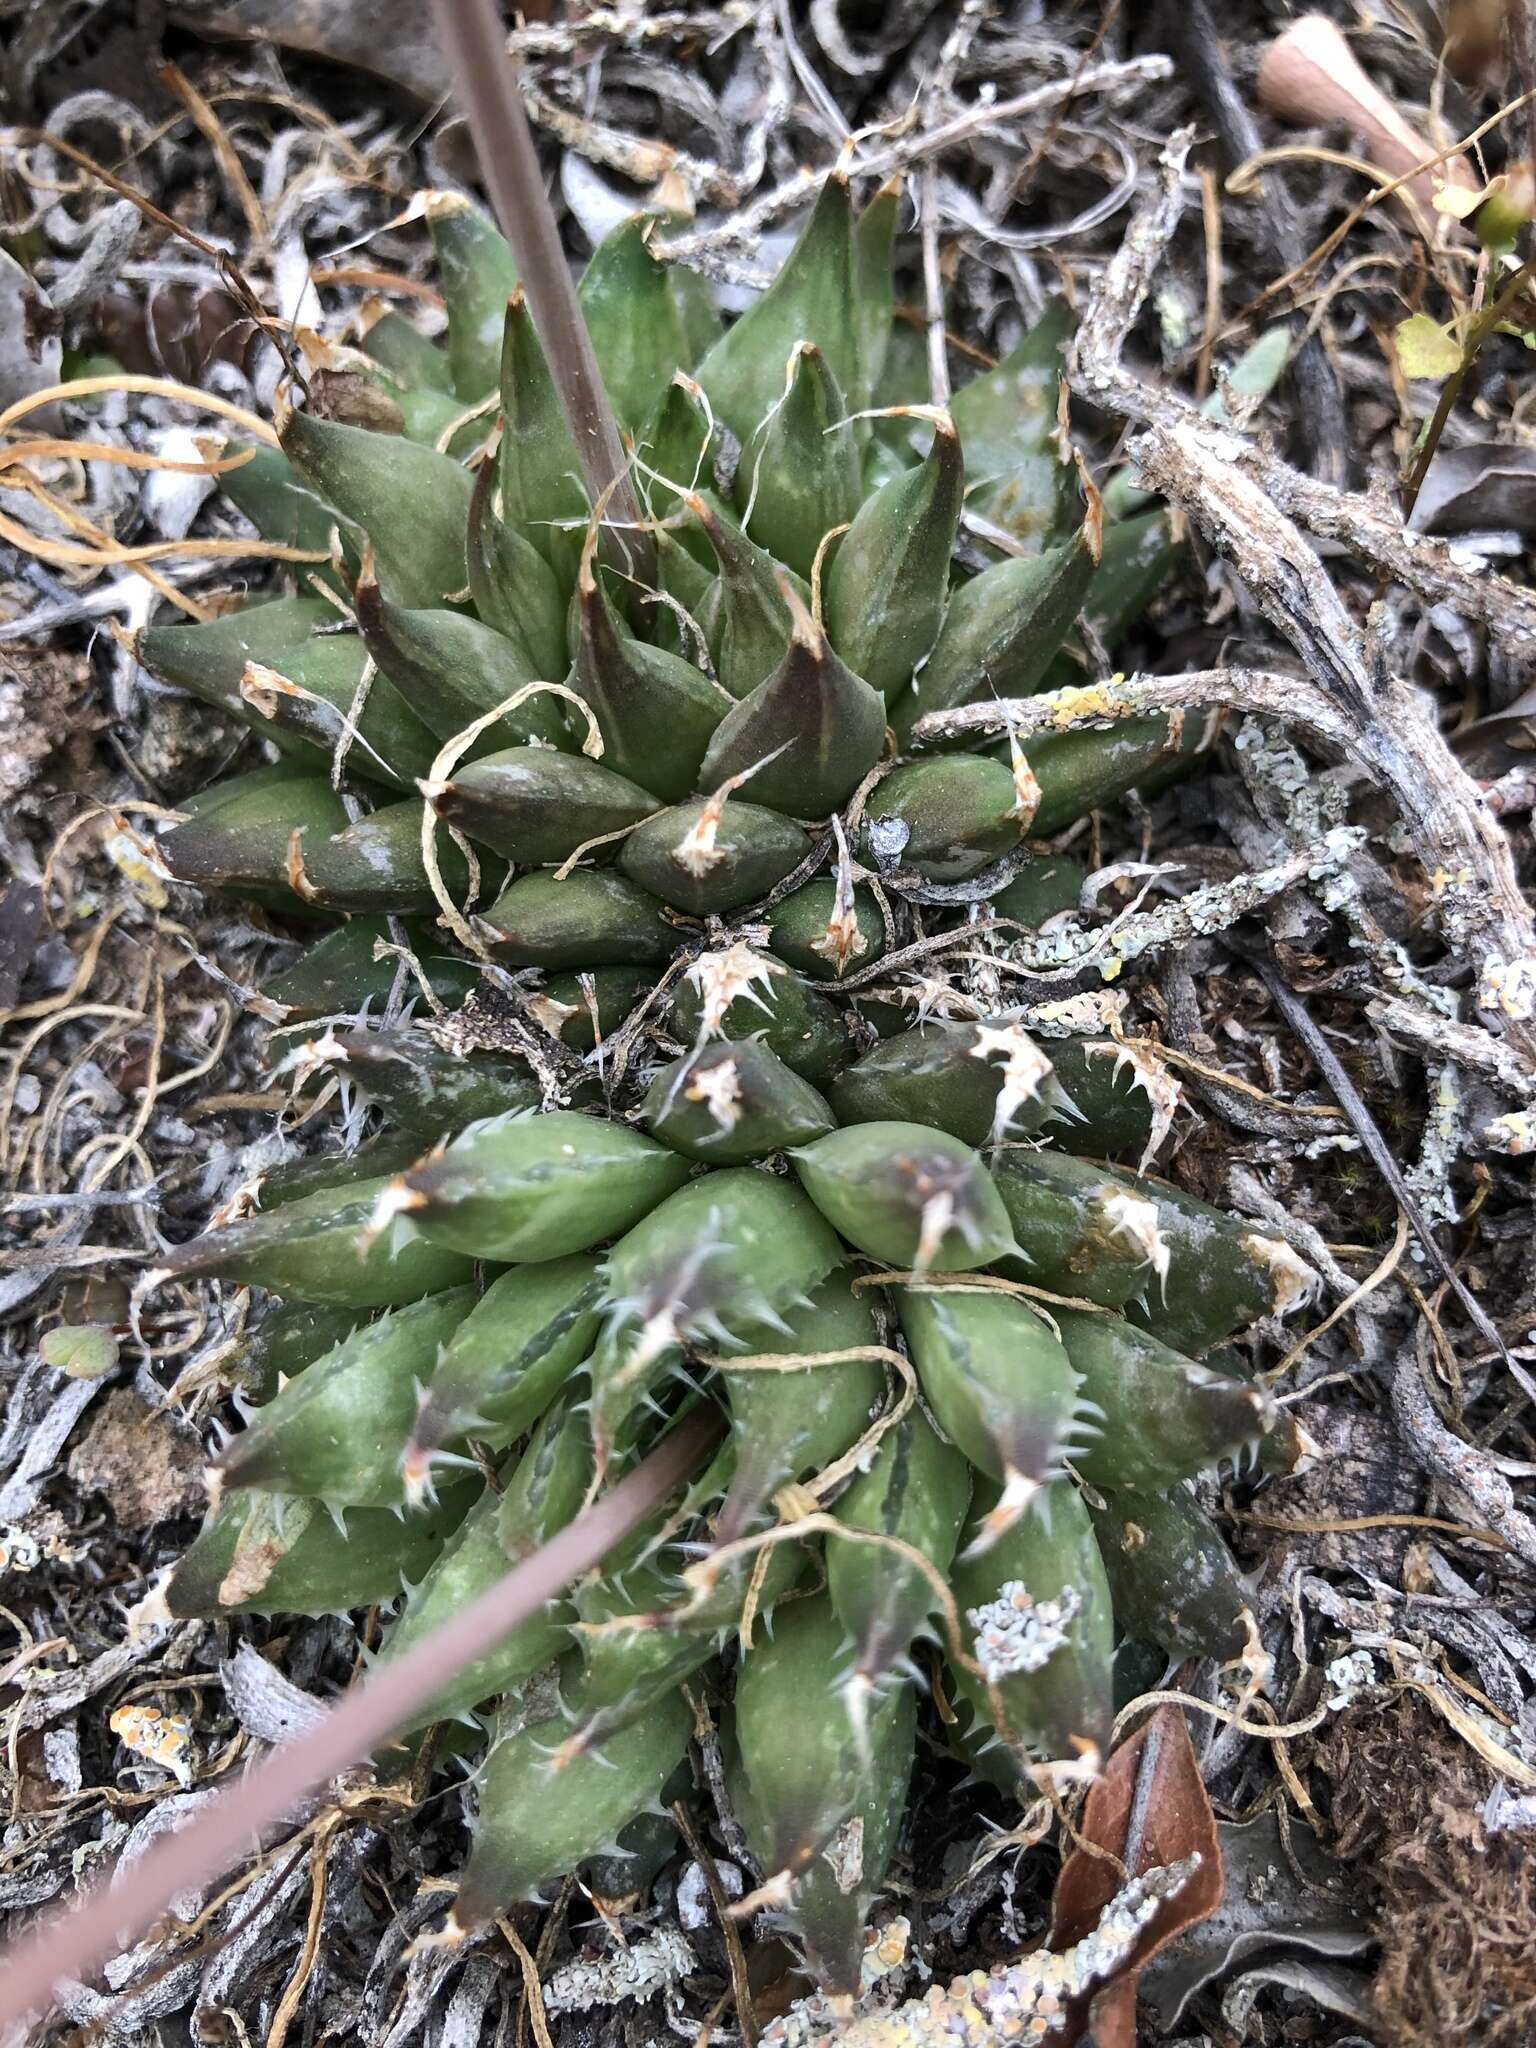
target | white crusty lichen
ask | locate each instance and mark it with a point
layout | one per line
(1091, 1010)
(639, 1971)
(810, 2020)
(1347, 1676)
(1509, 986)
(1017, 2003)
(1441, 1146)
(160, 1738)
(1513, 1134)
(1016, 1632)
(1211, 908)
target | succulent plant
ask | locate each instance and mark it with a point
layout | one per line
(689, 1142)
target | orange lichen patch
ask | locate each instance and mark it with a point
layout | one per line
(158, 1737)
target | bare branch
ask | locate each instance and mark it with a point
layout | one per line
(1454, 1459)
(743, 228)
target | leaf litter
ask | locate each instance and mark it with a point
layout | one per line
(138, 1099)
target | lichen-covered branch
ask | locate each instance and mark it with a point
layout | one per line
(1267, 691)
(1432, 568)
(1213, 907)
(1433, 1035)
(1024, 2001)
(1234, 498)
(1463, 1464)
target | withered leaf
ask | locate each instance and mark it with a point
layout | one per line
(1482, 486)
(395, 41)
(1281, 1893)
(1149, 1808)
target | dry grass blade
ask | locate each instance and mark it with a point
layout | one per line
(489, 89)
(71, 1943)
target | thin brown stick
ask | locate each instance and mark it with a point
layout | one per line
(303, 1969)
(1479, 331)
(741, 1984)
(490, 91)
(72, 1942)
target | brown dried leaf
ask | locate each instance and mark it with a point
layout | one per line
(391, 38)
(1481, 486)
(1149, 1807)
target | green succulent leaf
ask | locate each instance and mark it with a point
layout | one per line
(813, 298)
(945, 818)
(518, 1187)
(515, 1351)
(732, 1103)
(807, 735)
(915, 1197)
(337, 1433)
(635, 320)
(1002, 631)
(799, 477)
(477, 273)
(412, 503)
(713, 856)
(788, 1424)
(820, 1796)
(1174, 1581)
(981, 1082)
(410, 358)
(537, 1822)
(512, 585)
(1039, 1621)
(717, 1263)
(426, 1092)
(916, 1492)
(1001, 1384)
(536, 806)
(540, 472)
(591, 917)
(322, 1250)
(889, 581)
